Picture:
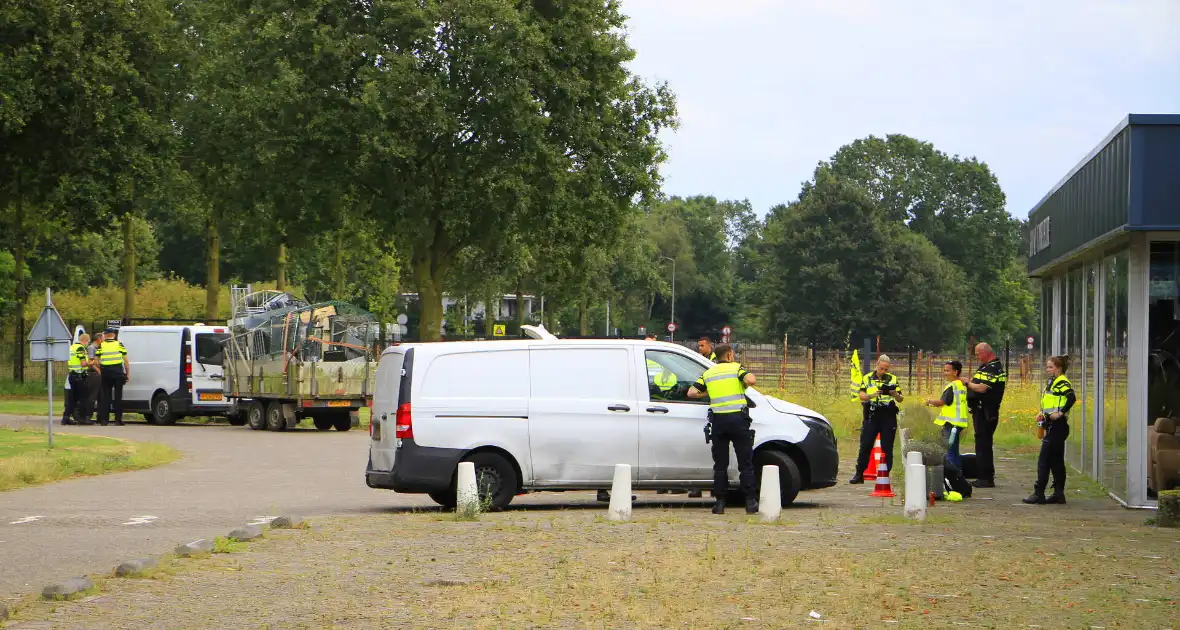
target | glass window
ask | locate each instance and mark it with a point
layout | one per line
(1163, 338)
(209, 348)
(1087, 375)
(1114, 400)
(669, 375)
(1072, 346)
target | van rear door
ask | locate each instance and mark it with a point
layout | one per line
(208, 357)
(386, 394)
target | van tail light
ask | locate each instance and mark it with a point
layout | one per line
(188, 361)
(404, 423)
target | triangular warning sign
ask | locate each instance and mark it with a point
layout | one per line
(50, 326)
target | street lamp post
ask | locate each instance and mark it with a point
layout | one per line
(672, 334)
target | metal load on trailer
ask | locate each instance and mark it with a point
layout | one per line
(287, 360)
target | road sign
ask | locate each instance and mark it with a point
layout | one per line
(50, 338)
(671, 326)
(402, 319)
(1030, 346)
(726, 331)
(643, 331)
(1030, 341)
(499, 330)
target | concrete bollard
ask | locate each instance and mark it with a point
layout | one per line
(620, 494)
(915, 490)
(770, 498)
(914, 457)
(466, 492)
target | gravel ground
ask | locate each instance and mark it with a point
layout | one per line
(987, 562)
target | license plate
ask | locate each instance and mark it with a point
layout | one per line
(210, 396)
(339, 403)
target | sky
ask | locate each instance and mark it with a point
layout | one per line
(766, 89)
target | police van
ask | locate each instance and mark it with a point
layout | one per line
(550, 414)
(176, 372)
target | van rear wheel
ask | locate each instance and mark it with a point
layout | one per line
(445, 499)
(495, 479)
(162, 410)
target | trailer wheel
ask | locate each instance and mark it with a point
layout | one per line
(322, 423)
(236, 419)
(274, 416)
(256, 415)
(342, 422)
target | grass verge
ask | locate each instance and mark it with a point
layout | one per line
(26, 460)
(32, 405)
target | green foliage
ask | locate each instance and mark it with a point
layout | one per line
(833, 262)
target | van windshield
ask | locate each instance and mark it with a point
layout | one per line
(209, 348)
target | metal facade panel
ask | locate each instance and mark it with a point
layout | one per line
(1092, 203)
(1157, 201)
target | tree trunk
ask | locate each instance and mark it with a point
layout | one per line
(340, 274)
(519, 309)
(22, 288)
(429, 276)
(584, 317)
(212, 267)
(281, 272)
(491, 312)
(128, 267)
(551, 317)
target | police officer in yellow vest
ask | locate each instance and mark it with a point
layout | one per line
(1056, 402)
(879, 394)
(76, 394)
(705, 347)
(116, 371)
(953, 415)
(725, 384)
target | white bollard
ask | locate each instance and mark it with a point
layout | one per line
(914, 457)
(915, 491)
(466, 492)
(620, 494)
(770, 498)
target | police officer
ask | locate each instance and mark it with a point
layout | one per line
(953, 415)
(705, 347)
(985, 392)
(76, 393)
(116, 371)
(879, 394)
(93, 379)
(1056, 402)
(726, 385)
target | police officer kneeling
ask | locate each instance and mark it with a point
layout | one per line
(726, 385)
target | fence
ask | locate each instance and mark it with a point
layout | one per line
(802, 369)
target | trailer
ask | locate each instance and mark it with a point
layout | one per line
(287, 360)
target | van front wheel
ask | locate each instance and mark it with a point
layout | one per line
(495, 479)
(788, 473)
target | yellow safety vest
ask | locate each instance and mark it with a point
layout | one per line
(1053, 400)
(870, 384)
(956, 412)
(78, 358)
(111, 353)
(663, 379)
(727, 392)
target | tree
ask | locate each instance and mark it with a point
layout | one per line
(822, 275)
(956, 203)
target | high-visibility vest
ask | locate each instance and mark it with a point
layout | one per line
(111, 353)
(663, 378)
(727, 392)
(956, 412)
(1054, 398)
(712, 357)
(78, 358)
(871, 388)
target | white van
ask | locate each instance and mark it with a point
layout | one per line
(175, 372)
(551, 414)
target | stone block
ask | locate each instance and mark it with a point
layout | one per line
(135, 567)
(195, 548)
(246, 533)
(67, 588)
(287, 521)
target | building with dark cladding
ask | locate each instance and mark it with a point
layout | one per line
(1105, 244)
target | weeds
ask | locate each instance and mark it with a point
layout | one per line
(221, 544)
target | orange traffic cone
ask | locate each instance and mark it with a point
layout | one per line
(875, 458)
(882, 489)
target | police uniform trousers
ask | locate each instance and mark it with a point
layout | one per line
(75, 399)
(1052, 457)
(93, 392)
(881, 419)
(986, 419)
(733, 428)
(112, 394)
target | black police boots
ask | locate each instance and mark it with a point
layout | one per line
(1057, 498)
(719, 506)
(857, 479)
(1036, 498)
(751, 506)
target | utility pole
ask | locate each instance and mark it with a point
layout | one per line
(673, 316)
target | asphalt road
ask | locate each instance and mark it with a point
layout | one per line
(228, 476)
